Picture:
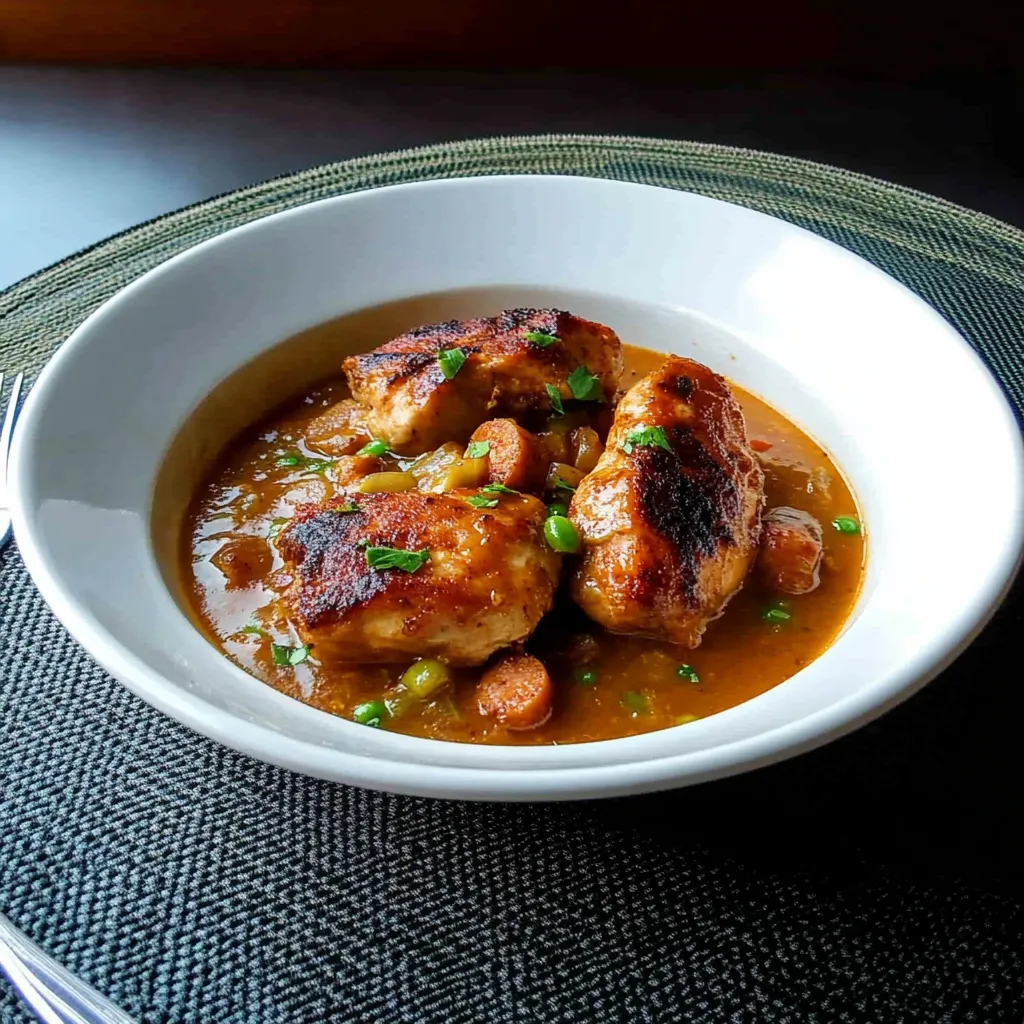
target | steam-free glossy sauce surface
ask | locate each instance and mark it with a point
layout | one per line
(606, 685)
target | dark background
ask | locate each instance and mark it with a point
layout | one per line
(113, 111)
(86, 151)
(895, 39)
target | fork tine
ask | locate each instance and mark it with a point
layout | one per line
(8, 427)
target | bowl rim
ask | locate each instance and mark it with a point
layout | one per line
(482, 782)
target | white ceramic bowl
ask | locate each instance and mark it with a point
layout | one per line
(900, 400)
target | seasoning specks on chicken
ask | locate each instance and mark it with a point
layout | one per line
(415, 403)
(671, 514)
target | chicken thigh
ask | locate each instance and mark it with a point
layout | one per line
(395, 577)
(671, 514)
(442, 381)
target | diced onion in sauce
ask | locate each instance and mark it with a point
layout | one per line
(387, 483)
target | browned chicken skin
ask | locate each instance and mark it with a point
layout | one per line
(489, 578)
(791, 548)
(414, 407)
(669, 535)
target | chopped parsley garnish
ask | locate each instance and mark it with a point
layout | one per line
(584, 385)
(349, 506)
(777, 613)
(300, 461)
(362, 544)
(289, 656)
(586, 677)
(564, 485)
(481, 501)
(375, 447)
(846, 524)
(647, 437)
(396, 558)
(556, 399)
(636, 703)
(540, 339)
(689, 673)
(252, 630)
(451, 360)
(478, 449)
(372, 713)
(277, 524)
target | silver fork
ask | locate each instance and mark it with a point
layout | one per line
(5, 449)
(55, 996)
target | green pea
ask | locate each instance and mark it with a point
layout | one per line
(557, 508)
(371, 713)
(561, 535)
(423, 677)
(374, 447)
(846, 524)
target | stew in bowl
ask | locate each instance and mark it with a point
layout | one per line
(398, 619)
(517, 529)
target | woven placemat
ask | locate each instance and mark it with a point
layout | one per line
(876, 880)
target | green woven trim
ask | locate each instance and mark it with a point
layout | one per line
(35, 314)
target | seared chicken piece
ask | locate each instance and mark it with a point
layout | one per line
(471, 580)
(498, 370)
(791, 547)
(671, 514)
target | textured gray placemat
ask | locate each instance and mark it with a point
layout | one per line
(876, 880)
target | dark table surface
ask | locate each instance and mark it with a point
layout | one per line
(87, 152)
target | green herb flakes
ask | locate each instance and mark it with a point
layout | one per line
(584, 385)
(540, 339)
(646, 437)
(296, 460)
(289, 656)
(451, 360)
(396, 558)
